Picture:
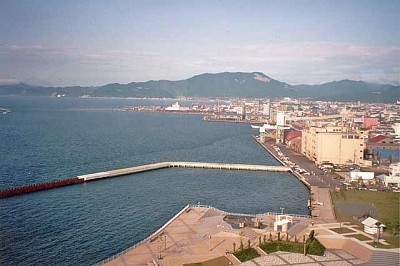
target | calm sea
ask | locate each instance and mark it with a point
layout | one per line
(44, 139)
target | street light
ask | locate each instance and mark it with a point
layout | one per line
(282, 209)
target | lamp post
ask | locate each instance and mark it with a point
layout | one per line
(282, 209)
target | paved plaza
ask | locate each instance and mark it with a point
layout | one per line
(200, 233)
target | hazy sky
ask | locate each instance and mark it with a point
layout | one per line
(97, 42)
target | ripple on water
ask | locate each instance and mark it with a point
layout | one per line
(85, 223)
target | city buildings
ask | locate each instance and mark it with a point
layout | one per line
(333, 144)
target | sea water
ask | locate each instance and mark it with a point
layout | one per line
(44, 139)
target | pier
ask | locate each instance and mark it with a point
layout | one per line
(162, 165)
(134, 170)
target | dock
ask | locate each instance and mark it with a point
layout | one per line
(11, 192)
(162, 165)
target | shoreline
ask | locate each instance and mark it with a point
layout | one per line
(320, 203)
(299, 176)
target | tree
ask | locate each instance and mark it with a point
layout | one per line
(311, 236)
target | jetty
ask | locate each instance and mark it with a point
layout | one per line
(162, 165)
(11, 192)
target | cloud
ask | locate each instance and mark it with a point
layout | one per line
(311, 62)
(295, 63)
(9, 81)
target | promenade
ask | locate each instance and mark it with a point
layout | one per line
(201, 233)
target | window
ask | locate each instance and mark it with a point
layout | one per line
(344, 137)
(350, 137)
(357, 137)
(362, 144)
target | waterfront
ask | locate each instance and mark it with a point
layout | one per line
(82, 224)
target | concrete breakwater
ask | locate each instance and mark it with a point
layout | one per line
(137, 169)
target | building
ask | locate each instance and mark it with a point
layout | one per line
(333, 144)
(390, 180)
(355, 175)
(394, 169)
(372, 226)
(369, 122)
(383, 142)
(383, 149)
(293, 139)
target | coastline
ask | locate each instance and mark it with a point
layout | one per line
(299, 176)
(320, 203)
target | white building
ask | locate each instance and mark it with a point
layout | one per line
(390, 180)
(355, 175)
(372, 226)
(394, 169)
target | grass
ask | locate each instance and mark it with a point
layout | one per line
(246, 254)
(394, 241)
(343, 230)
(360, 237)
(387, 204)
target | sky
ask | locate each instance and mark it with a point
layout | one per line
(92, 43)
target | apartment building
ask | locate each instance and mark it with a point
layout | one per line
(333, 144)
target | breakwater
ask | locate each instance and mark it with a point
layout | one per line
(133, 170)
(11, 192)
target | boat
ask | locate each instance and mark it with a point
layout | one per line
(5, 111)
(255, 127)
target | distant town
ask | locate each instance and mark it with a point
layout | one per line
(337, 136)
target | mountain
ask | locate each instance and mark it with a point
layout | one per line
(227, 84)
(350, 90)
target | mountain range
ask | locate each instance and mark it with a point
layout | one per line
(227, 84)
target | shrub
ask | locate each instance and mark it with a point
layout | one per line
(269, 247)
(246, 254)
(314, 247)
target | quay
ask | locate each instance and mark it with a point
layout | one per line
(133, 170)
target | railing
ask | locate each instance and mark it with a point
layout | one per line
(144, 240)
(249, 215)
